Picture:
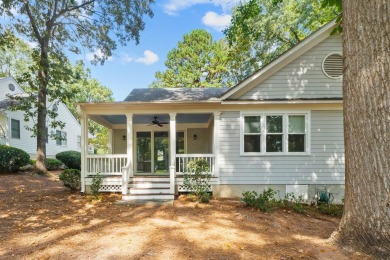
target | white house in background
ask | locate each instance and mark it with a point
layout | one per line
(13, 130)
(281, 128)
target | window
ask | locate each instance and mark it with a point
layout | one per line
(15, 129)
(275, 133)
(60, 138)
(79, 142)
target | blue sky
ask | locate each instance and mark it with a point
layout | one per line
(134, 66)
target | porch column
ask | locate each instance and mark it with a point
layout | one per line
(217, 116)
(172, 152)
(129, 166)
(84, 148)
(110, 145)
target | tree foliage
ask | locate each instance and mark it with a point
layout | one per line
(261, 30)
(69, 25)
(196, 62)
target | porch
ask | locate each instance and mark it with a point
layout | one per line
(146, 161)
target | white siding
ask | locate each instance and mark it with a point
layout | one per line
(28, 143)
(325, 164)
(303, 77)
(119, 145)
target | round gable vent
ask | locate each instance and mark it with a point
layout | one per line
(333, 65)
(11, 87)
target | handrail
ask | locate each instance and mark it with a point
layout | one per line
(182, 161)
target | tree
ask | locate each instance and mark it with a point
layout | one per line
(365, 224)
(197, 62)
(15, 56)
(261, 30)
(57, 26)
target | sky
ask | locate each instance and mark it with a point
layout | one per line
(134, 66)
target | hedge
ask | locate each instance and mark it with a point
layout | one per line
(71, 178)
(71, 159)
(11, 159)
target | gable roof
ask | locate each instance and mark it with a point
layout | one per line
(271, 68)
(174, 94)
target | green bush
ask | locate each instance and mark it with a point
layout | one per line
(71, 159)
(296, 204)
(263, 201)
(11, 159)
(331, 209)
(71, 178)
(96, 184)
(196, 180)
(53, 164)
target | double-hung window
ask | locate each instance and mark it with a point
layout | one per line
(275, 133)
(60, 138)
(15, 129)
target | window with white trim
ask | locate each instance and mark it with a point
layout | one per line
(275, 133)
(15, 129)
(61, 138)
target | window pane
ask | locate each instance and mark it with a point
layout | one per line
(15, 128)
(58, 137)
(252, 143)
(274, 143)
(144, 152)
(274, 124)
(252, 124)
(296, 124)
(296, 143)
(64, 139)
(180, 142)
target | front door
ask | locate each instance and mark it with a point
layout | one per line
(152, 152)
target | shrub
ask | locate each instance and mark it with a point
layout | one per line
(71, 178)
(53, 164)
(263, 201)
(296, 204)
(331, 209)
(11, 159)
(96, 184)
(196, 180)
(71, 159)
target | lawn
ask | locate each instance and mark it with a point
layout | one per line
(40, 219)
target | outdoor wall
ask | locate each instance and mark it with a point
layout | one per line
(119, 145)
(324, 165)
(202, 142)
(303, 77)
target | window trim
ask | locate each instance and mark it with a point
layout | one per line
(11, 128)
(263, 132)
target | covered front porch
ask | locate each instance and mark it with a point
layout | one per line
(149, 152)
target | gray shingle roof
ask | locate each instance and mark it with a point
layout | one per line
(174, 94)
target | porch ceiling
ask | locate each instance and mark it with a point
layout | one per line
(147, 119)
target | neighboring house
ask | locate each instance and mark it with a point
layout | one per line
(13, 130)
(281, 128)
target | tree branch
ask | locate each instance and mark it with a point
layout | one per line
(32, 21)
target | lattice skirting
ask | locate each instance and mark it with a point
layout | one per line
(111, 188)
(182, 189)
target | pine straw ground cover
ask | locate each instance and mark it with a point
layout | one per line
(40, 219)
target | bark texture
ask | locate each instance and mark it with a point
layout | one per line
(365, 225)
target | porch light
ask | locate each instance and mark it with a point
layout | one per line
(195, 136)
(124, 137)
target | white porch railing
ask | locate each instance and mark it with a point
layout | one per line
(183, 159)
(106, 164)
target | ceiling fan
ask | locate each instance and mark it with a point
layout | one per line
(155, 121)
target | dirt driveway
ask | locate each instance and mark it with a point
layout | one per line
(40, 219)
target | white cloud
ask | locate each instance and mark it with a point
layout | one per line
(172, 7)
(91, 56)
(148, 58)
(216, 21)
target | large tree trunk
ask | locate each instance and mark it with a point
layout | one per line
(365, 225)
(42, 113)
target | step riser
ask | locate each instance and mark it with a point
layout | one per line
(148, 197)
(147, 185)
(147, 191)
(145, 179)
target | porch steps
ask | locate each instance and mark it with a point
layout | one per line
(149, 188)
